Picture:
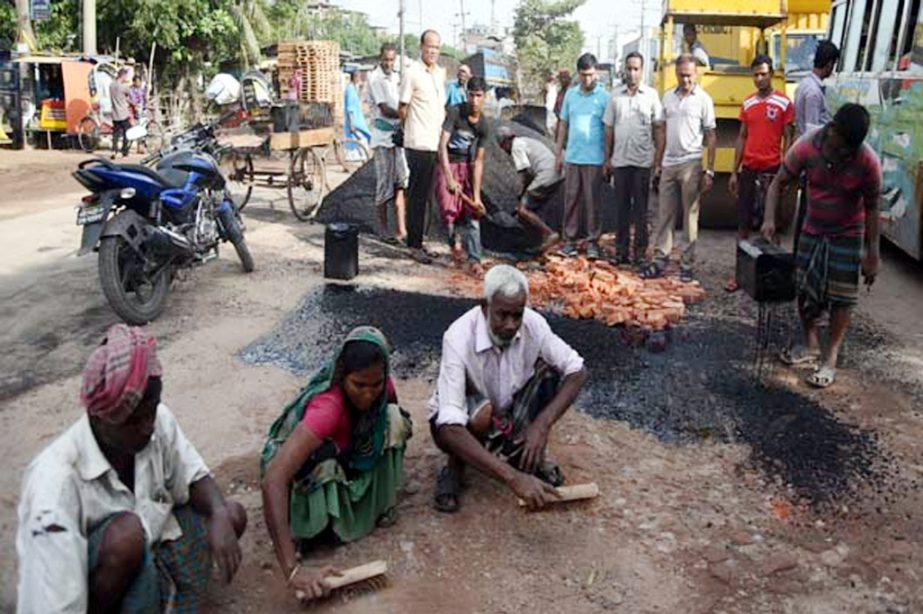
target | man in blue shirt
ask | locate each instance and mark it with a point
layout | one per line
(581, 128)
(456, 91)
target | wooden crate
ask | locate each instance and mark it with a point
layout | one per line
(305, 138)
(317, 63)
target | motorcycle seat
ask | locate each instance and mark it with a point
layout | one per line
(152, 174)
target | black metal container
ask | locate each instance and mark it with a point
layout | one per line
(341, 251)
(765, 271)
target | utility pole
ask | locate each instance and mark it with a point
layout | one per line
(464, 33)
(400, 29)
(89, 27)
(493, 18)
(616, 51)
(24, 32)
(642, 44)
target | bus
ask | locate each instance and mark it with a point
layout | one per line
(881, 67)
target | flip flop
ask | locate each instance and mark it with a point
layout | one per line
(447, 487)
(798, 355)
(651, 270)
(822, 377)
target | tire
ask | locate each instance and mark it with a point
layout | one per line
(351, 154)
(88, 134)
(114, 255)
(238, 171)
(243, 252)
(306, 184)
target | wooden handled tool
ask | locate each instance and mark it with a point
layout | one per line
(478, 213)
(353, 575)
(574, 493)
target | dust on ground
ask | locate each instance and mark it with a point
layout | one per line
(701, 507)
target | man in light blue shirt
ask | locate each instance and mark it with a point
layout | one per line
(810, 97)
(456, 91)
(581, 128)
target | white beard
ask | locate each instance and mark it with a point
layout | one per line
(497, 341)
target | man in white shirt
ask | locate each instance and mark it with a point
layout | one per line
(694, 47)
(120, 512)
(422, 111)
(633, 119)
(690, 121)
(539, 182)
(391, 172)
(504, 380)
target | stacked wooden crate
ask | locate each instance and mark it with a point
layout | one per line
(317, 63)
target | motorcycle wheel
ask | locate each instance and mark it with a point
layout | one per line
(132, 293)
(243, 252)
(235, 235)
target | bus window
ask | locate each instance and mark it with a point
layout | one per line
(838, 25)
(885, 34)
(867, 39)
(855, 31)
(906, 38)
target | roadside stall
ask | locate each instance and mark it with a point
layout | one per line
(61, 91)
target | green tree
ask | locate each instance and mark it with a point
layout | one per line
(7, 24)
(545, 40)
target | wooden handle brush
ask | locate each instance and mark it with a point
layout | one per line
(573, 493)
(353, 575)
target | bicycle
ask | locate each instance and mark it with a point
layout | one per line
(92, 127)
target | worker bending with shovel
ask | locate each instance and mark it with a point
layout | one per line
(459, 173)
(504, 380)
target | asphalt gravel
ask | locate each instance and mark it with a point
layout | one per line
(700, 387)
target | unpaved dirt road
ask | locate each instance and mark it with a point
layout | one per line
(685, 524)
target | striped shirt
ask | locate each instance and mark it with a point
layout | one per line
(838, 193)
(765, 119)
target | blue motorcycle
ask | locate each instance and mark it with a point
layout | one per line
(147, 223)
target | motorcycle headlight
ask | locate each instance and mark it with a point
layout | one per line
(127, 193)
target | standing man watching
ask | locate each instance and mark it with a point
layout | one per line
(462, 148)
(841, 232)
(810, 97)
(766, 127)
(581, 129)
(121, 112)
(690, 119)
(457, 92)
(634, 120)
(422, 111)
(391, 172)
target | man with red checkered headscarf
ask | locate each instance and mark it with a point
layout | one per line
(121, 512)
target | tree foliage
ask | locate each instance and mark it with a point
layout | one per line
(7, 24)
(545, 39)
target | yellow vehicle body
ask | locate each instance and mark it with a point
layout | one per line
(806, 25)
(733, 34)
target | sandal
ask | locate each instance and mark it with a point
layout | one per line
(447, 487)
(798, 355)
(388, 518)
(731, 285)
(822, 377)
(651, 270)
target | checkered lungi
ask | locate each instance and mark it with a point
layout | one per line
(174, 574)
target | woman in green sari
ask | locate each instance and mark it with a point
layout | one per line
(334, 458)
